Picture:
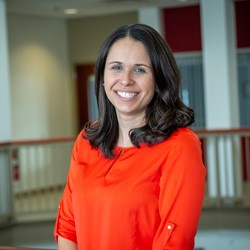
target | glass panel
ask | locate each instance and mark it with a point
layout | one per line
(244, 87)
(92, 102)
(192, 87)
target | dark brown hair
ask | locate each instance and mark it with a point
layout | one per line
(165, 113)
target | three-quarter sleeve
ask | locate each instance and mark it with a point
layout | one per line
(65, 221)
(181, 195)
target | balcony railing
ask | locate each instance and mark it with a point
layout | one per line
(226, 155)
(36, 172)
(17, 248)
(33, 173)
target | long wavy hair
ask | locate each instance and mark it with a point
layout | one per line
(164, 114)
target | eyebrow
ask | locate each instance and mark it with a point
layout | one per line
(137, 64)
(115, 62)
(145, 65)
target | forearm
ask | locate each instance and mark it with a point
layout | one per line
(181, 196)
(64, 244)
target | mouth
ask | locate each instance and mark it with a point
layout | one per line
(127, 95)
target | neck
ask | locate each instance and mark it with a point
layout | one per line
(125, 125)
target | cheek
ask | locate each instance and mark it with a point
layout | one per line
(105, 79)
(151, 96)
(108, 77)
(151, 89)
(151, 92)
(108, 90)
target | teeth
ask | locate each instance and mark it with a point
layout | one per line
(126, 94)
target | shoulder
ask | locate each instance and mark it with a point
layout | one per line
(83, 149)
(183, 141)
(80, 140)
(81, 145)
(184, 151)
(184, 135)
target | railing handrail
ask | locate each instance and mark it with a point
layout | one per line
(242, 130)
(22, 248)
(51, 140)
(37, 141)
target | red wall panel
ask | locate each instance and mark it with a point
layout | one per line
(183, 28)
(242, 16)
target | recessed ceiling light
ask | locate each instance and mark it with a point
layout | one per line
(70, 11)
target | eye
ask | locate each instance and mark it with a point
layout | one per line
(116, 67)
(140, 70)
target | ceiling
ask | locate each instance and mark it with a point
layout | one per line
(86, 8)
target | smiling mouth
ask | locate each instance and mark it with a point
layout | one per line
(126, 95)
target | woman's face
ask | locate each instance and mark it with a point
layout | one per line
(128, 78)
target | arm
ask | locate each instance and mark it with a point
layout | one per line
(64, 244)
(65, 221)
(181, 195)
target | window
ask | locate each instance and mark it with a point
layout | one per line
(244, 86)
(192, 87)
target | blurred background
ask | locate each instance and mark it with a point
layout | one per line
(48, 50)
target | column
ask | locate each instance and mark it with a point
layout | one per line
(151, 16)
(221, 92)
(5, 121)
(219, 63)
(5, 110)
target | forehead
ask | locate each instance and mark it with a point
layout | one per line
(128, 46)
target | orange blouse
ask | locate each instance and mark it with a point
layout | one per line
(146, 198)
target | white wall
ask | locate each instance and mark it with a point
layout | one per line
(5, 118)
(43, 99)
(87, 34)
(41, 87)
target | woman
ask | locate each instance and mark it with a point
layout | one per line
(136, 179)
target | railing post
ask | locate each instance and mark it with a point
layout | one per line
(6, 194)
(230, 169)
(212, 169)
(237, 161)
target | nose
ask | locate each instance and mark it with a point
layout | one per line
(127, 78)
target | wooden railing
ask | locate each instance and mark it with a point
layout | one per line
(16, 248)
(33, 173)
